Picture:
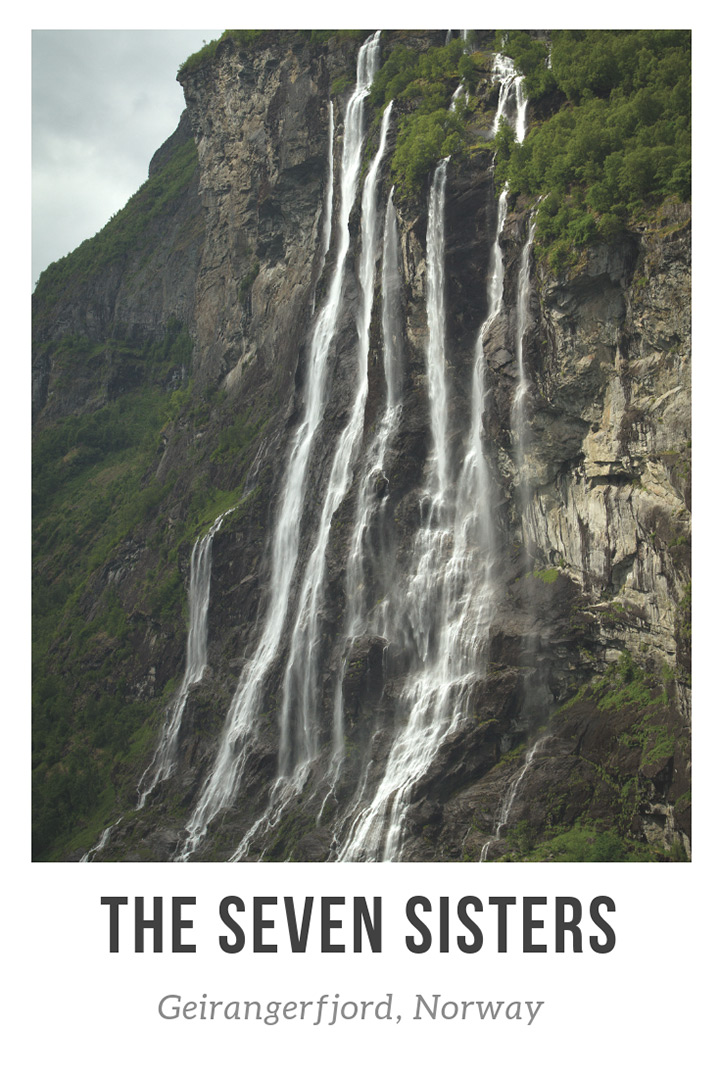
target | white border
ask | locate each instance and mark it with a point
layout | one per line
(644, 1007)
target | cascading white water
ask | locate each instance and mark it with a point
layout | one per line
(163, 761)
(506, 74)
(519, 417)
(446, 607)
(299, 732)
(219, 787)
(437, 389)
(511, 794)
(519, 424)
(417, 610)
(299, 711)
(452, 591)
(104, 837)
(521, 100)
(329, 195)
(327, 227)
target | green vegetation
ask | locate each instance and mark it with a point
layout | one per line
(611, 141)
(593, 816)
(611, 138)
(91, 489)
(256, 38)
(236, 436)
(423, 140)
(423, 84)
(548, 576)
(618, 145)
(581, 843)
(531, 58)
(341, 84)
(100, 510)
(127, 231)
(197, 59)
(623, 685)
(246, 282)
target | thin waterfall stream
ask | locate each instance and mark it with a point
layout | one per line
(163, 762)
(519, 412)
(164, 759)
(520, 429)
(329, 198)
(503, 815)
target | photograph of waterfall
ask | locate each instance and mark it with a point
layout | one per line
(362, 463)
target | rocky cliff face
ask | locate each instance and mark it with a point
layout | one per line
(576, 726)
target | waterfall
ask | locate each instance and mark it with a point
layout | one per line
(444, 611)
(220, 786)
(299, 711)
(329, 196)
(519, 424)
(455, 577)
(439, 612)
(437, 389)
(519, 417)
(454, 101)
(163, 761)
(104, 837)
(327, 226)
(417, 611)
(505, 73)
(521, 111)
(511, 794)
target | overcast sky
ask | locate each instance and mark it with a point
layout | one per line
(103, 102)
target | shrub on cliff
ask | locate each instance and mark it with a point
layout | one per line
(619, 146)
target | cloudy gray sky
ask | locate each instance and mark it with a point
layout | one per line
(103, 101)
